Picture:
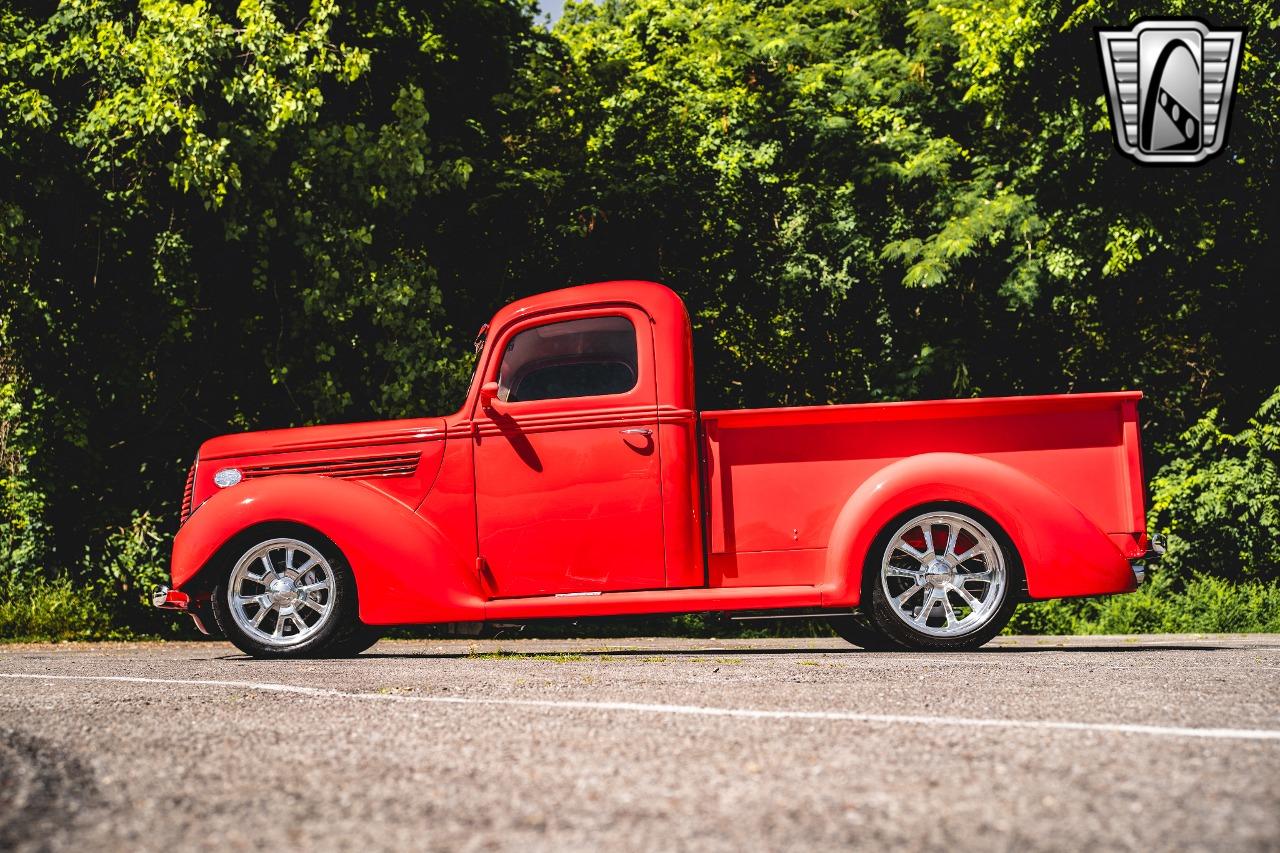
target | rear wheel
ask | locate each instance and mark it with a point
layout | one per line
(290, 594)
(944, 580)
(857, 629)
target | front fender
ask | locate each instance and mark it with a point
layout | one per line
(406, 570)
(1063, 553)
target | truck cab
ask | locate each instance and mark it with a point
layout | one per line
(585, 447)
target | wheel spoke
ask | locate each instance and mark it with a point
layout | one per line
(953, 533)
(315, 587)
(297, 620)
(930, 550)
(980, 577)
(970, 554)
(306, 567)
(903, 545)
(269, 569)
(279, 629)
(922, 618)
(906, 596)
(263, 610)
(947, 610)
(973, 603)
(895, 572)
(313, 604)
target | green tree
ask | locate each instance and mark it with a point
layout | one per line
(877, 200)
(1219, 499)
(217, 216)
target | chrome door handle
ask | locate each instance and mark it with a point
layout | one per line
(636, 431)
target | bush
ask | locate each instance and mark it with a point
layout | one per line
(108, 598)
(1219, 500)
(1164, 605)
(133, 560)
(25, 542)
(53, 610)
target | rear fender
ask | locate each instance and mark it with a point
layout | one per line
(406, 570)
(1062, 552)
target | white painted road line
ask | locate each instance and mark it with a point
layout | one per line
(679, 710)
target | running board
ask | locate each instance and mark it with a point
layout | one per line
(657, 601)
(806, 614)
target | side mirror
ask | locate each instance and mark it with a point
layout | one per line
(488, 393)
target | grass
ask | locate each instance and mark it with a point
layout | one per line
(55, 610)
(1204, 605)
(59, 610)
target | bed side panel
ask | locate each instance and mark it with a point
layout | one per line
(777, 483)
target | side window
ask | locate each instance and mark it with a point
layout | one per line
(573, 358)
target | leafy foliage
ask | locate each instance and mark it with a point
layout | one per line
(24, 535)
(1219, 500)
(217, 216)
(882, 200)
(1206, 604)
(39, 609)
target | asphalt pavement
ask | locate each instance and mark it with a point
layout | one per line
(1100, 743)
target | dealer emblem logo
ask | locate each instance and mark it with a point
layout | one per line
(1169, 83)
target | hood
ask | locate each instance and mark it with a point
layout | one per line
(327, 437)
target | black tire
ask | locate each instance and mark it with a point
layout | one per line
(855, 628)
(883, 617)
(360, 639)
(342, 633)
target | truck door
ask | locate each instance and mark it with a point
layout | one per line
(567, 465)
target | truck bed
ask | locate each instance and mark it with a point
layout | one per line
(776, 479)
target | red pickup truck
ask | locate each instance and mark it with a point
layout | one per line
(579, 480)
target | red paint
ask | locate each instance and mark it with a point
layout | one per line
(560, 483)
(587, 506)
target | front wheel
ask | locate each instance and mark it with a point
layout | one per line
(944, 580)
(290, 594)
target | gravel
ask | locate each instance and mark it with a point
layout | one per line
(541, 746)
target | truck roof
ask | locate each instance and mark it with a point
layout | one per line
(657, 300)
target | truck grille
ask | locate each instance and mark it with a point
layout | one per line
(391, 465)
(187, 493)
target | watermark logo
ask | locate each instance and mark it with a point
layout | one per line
(1169, 83)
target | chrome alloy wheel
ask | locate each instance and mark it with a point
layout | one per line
(943, 574)
(281, 592)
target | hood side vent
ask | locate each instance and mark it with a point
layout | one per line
(389, 465)
(187, 493)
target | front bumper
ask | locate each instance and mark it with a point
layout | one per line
(1141, 565)
(170, 599)
(173, 599)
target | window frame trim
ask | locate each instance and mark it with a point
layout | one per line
(643, 393)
